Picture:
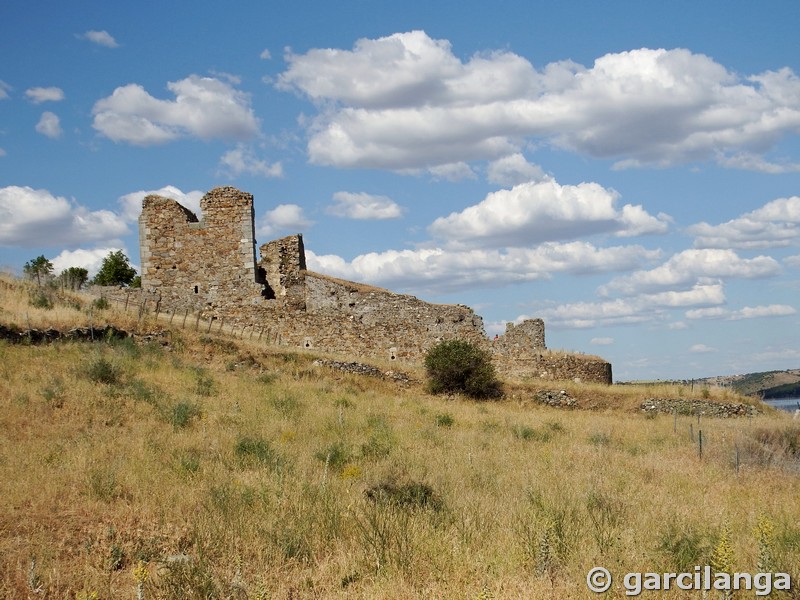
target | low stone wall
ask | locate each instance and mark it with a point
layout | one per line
(76, 334)
(554, 366)
(687, 406)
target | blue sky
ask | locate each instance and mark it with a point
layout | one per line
(628, 171)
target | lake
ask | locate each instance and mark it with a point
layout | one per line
(790, 404)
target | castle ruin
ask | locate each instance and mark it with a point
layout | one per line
(209, 266)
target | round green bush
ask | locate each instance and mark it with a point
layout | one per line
(457, 366)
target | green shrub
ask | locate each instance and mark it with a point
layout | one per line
(103, 371)
(41, 300)
(336, 455)
(683, 545)
(182, 414)
(411, 494)
(523, 432)
(101, 303)
(204, 383)
(252, 451)
(457, 366)
(287, 405)
(444, 420)
(381, 440)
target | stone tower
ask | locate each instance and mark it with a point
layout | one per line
(207, 265)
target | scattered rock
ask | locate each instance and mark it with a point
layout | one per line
(556, 398)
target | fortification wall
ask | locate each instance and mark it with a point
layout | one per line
(209, 267)
(358, 319)
(554, 366)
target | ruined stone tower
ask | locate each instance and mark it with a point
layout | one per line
(207, 265)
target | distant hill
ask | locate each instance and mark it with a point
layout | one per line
(768, 384)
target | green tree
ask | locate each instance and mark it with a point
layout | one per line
(74, 277)
(38, 268)
(457, 366)
(115, 270)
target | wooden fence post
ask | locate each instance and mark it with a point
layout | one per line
(700, 443)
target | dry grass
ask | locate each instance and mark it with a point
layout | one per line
(232, 471)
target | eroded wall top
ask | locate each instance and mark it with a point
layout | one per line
(206, 265)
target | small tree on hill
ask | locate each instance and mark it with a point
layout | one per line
(457, 366)
(74, 278)
(39, 268)
(115, 270)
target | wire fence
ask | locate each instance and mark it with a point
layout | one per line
(150, 310)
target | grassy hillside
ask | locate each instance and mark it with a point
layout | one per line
(767, 384)
(204, 467)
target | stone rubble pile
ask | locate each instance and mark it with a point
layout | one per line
(357, 368)
(557, 399)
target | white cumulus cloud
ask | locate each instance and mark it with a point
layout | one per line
(747, 312)
(440, 270)
(775, 224)
(89, 259)
(49, 125)
(204, 107)
(531, 213)
(284, 217)
(131, 204)
(364, 206)
(686, 268)
(643, 308)
(406, 101)
(37, 95)
(242, 160)
(512, 170)
(700, 349)
(37, 218)
(101, 38)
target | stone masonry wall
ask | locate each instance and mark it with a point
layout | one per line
(364, 320)
(209, 267)
(206, 265)
(283, 261)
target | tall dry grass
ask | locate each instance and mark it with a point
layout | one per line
(229, 470)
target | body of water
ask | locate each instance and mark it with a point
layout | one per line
(790, 404)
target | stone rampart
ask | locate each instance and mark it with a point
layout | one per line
(208, 266)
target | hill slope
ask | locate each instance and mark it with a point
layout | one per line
(768, 384)
(225, 469)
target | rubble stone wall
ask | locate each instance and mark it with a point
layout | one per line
(209, 267)
(206, 265)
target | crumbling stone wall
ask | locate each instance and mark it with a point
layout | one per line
(209, 267)
(558, 366)
(206, 265)
(519, 340)
(282, 262)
